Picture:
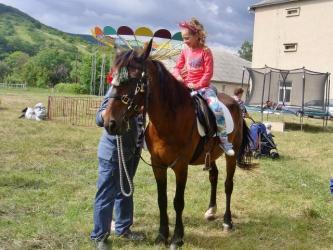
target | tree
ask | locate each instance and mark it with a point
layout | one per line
(48, 67)
(85, 69)
(85, 72)
(58, 74)
(245, 51)
(4, 70)
(17, 59)
(16, 62)
(75, 73)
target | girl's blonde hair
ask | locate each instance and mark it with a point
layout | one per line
(200, 30)
(196, 28)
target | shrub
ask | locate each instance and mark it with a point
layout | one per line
(73, 88)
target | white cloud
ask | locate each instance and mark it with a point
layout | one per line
(205, 6)
(212, 7)
(229, 10)
(89, 13)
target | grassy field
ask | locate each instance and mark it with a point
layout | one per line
(48, 172)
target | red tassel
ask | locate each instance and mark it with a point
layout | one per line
(109, 77)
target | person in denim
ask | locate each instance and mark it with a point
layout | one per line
(108, 197)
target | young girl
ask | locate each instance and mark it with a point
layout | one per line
(195, 68)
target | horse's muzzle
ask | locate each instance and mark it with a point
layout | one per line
(113, 128)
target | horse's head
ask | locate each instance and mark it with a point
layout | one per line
(127, 95)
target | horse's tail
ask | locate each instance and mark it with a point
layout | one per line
(244, 155)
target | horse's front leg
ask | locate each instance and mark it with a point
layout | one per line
(229, 185)
(161, 180)
(178, 203)
(213, 178)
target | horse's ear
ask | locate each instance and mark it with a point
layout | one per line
(119, 50)
(146, 51)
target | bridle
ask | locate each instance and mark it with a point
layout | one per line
(131, 99)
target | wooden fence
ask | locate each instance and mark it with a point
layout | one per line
(79, 111)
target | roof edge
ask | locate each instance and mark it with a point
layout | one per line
(259, 5)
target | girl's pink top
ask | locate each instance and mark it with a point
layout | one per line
(195, 66)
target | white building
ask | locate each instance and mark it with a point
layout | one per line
(291, 34)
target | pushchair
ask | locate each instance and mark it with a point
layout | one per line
(262, 141)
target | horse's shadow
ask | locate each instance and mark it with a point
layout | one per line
(251, 233)
(248, 233)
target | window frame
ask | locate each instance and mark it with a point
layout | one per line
(297, 13)
(295, 45)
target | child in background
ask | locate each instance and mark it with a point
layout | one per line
(238, 93)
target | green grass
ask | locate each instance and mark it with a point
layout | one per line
(48, 172)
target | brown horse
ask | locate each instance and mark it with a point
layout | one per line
(171, 136)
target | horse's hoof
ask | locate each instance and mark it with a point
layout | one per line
(176, 244)
(227, 227)
(173, 246)
(161, 239)
(211, 213)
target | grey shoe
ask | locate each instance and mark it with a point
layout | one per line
(226, 146)
(102, 245)
(132, 236)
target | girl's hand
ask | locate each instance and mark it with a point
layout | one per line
(179, 78)
(191, 86)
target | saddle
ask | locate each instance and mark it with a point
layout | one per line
(206, 120)
(206, 123)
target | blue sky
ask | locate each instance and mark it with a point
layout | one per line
(227, 22)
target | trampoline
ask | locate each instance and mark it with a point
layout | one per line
(278, 91)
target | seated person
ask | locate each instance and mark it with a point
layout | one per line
(238, 93)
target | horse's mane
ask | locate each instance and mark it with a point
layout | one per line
(173, 93)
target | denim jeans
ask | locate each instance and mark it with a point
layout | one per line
(109, 198)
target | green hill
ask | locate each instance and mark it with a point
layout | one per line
(20, 32)
(42, 56)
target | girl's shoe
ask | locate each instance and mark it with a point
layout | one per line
(226, 146)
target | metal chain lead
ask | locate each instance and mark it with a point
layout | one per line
(122, 165)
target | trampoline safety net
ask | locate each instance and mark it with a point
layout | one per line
(297, 87)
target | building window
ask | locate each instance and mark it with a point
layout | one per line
(285, 92)
(290, 47)
(293, 12)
